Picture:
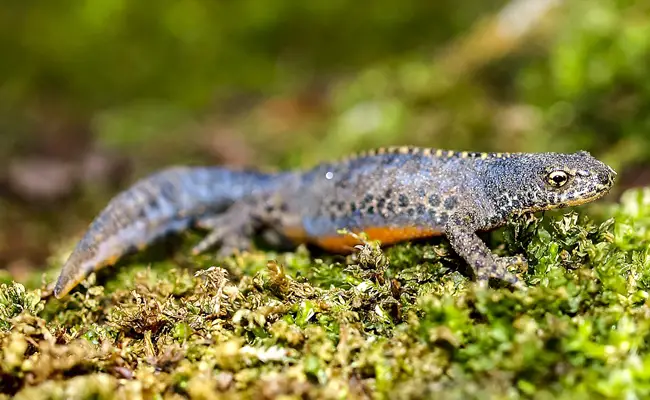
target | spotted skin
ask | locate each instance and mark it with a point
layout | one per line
(391, 194)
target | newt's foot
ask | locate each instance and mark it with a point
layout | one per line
(500, 271)
(231, 231)
(505, 262)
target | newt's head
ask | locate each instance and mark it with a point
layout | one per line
(522, 183)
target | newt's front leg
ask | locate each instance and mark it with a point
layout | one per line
(461, 233)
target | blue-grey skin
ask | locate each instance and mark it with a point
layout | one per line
(429, 191)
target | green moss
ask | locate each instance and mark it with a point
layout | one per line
(403, 322)
(14, 301)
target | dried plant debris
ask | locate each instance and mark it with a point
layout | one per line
(403, 322)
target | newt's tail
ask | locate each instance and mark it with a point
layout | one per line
(164, 203)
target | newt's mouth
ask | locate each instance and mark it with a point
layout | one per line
(581, 199)
(584, 199)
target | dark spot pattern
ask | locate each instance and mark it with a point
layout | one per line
(434, 200)
(450, 202)
(141, 213)
(421, 209)
(403, 200)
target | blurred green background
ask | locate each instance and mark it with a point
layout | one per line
(96, 94)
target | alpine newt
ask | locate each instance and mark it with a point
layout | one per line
(391, 194)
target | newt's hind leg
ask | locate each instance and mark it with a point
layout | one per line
(484, 263)
(232, 230)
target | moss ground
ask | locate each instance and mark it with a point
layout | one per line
(403, 322)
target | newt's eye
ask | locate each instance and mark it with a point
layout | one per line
(557, 178)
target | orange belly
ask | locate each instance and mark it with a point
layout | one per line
(346, 243)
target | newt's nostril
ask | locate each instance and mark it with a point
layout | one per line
(604, 178)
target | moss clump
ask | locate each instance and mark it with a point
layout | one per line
(15, 300)
(404, 322)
